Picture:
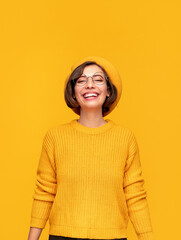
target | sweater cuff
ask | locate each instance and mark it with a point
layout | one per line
(38, 223)
(40, 213)
(146, 236)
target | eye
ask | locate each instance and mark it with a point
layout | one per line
(80, 81)
(98, 78)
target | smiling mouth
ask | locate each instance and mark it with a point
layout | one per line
(91, 97)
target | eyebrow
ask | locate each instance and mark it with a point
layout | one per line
(96, 73)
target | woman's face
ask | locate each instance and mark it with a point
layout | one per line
(91, 102)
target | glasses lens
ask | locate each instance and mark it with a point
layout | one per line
(81, 80)
(99, 78)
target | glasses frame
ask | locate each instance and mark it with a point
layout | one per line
(105, 77)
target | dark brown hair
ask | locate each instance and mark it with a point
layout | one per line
(69, 93)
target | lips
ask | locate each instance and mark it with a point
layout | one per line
(90, 93)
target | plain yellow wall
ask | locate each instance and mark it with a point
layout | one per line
(39, 42)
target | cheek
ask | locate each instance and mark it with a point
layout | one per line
(105, 90)
(76, 91)
(77, 94)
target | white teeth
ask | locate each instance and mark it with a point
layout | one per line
(90, 95)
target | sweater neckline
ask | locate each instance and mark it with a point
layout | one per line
(92, 130)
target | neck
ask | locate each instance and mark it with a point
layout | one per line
(91, 119)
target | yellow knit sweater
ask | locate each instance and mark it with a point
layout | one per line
(89, 183)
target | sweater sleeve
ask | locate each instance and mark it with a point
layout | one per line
(135, 193)
(46, 184)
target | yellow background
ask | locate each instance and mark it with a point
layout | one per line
(40, 40)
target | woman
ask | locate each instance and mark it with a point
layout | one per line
(89, 178)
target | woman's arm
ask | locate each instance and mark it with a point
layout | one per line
(136, 194)
(34, 233)
(46, 184)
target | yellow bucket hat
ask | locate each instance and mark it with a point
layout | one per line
(111, 71)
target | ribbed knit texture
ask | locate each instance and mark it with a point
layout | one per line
(89, 183)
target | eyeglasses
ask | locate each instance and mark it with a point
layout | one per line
(98, 78)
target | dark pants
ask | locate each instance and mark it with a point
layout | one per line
(53, 237)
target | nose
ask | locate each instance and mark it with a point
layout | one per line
(90, 82)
